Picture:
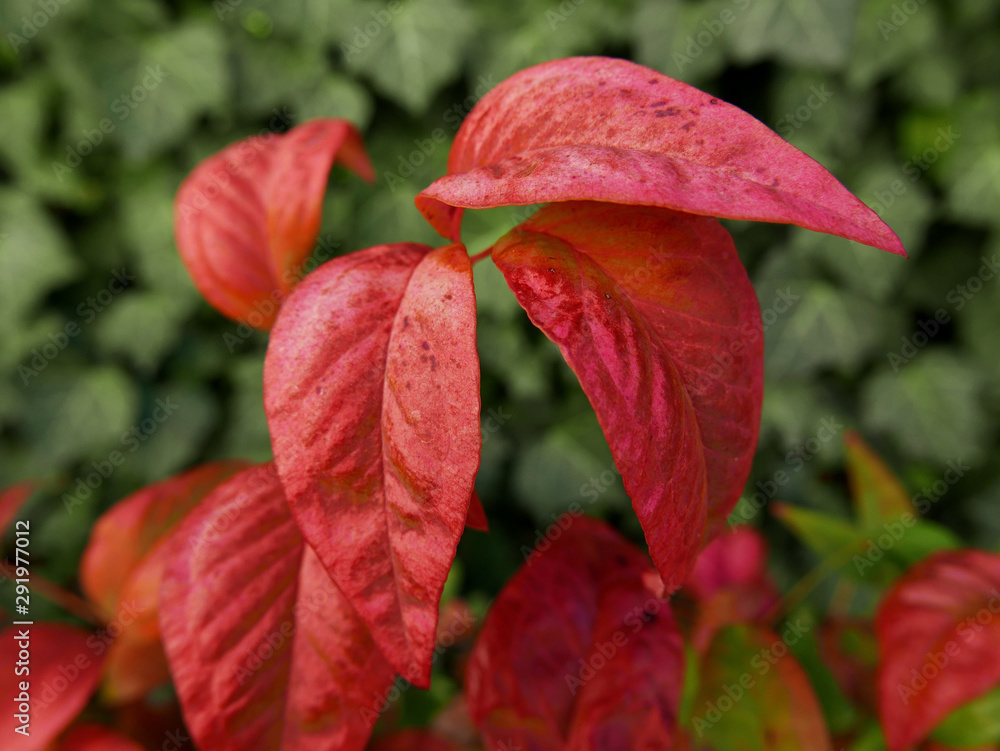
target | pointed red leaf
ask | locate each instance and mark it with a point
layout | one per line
(576, 654)
(654, 312)
(11, 500)
(126, 534)
(64, 669)
(92, 737)
(371, 388)
(247, 218)
(266, 653)
(600, 129)
(938, 630)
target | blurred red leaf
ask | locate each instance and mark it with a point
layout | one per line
(654, 312)
(266, 653)
(64, 670)
(938, 630)
(849, 649)
(601, 129)
(576, 653)
(92, 737)
(371, 388)
(11, 500)
(247, 218)
(412, 740)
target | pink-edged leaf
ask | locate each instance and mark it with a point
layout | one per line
(63, 672)
(125, 534)
(371, 389)
(938, 630)
(753, 694)
(731, 583)
(654, 312)
(476, 518)
(576, 654)
(266, 654)
(91, 737)
(600, 129)
(11, 500)
(247, 218)
(412, 740)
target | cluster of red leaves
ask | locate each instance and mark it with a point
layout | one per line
(284, 599)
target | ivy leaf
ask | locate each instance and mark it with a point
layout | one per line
(939, 638)
(371, 389)
(600, 129)
(771, 705)
(57, 652)
(266, 653)
(576, 652)
(246, 219)
(642, 301)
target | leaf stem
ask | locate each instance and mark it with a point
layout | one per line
(480, 256)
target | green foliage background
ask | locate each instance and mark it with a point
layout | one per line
(864, 86)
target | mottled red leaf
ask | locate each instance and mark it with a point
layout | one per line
(247, 218)
(753, 694)
(938, 630)
(92, 737)
(731, 583)
(11, 500)
(266, 654)
(600, 129)
(412, 740)
(576, 654)
(64, 670)
(371, 388)
(654, 312)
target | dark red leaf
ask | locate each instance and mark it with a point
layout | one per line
(371, 387)
(247, 218)
(266, 653)
(938, 630)
(92, 737)
(64, 669)
(412, 740)
(576, 654)
(601, 129)
(654, 312)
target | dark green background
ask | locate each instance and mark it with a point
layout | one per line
(864, 86)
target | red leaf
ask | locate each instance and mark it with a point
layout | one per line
(11, 500)
(599, 129)
(266, 653)
(654, 312)
(938, 630)
(476, 518)
(92, 737)
(64, 669)
(247, 218)
(576, 654)
(371, 387)
(731, 582)
(848, 647)
(412, 740)
(126, 534)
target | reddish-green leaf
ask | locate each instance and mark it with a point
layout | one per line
(877, 495)
(938, 630)
(576, 653)
(754, 695)
(848, 647)
(654, 312)
(371, 387)
(266, 653)
(63, 672)
(247, 218)
(599, 129)
(92, 737)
